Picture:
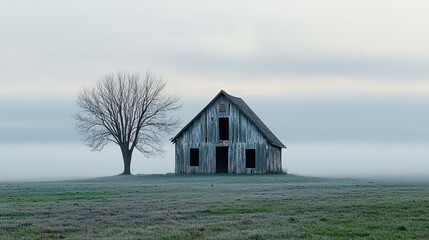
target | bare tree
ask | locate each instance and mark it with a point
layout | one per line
(131, 110)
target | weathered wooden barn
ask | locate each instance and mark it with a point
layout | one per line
(227, 137)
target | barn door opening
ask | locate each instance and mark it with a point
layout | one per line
(221, 159)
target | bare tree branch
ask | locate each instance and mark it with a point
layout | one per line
(128, 109)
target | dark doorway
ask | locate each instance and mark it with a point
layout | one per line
(194, 157)
(223, 128)
(221, 159)
(250, 158)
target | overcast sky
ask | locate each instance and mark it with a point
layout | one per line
(314, 71)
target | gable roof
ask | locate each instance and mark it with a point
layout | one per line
(245, 109)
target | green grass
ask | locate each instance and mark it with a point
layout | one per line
(55, 197)
(256, 207)
(16, 214)
(215, 207)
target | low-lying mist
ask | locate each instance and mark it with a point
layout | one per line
(69, 160)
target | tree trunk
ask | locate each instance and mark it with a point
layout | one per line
(126, 155)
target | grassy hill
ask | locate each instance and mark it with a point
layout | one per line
(215, 207)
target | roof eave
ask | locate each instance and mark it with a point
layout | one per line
(279, 146)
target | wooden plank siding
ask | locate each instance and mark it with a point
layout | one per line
(203, 133)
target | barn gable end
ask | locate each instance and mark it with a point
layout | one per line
(244, 130)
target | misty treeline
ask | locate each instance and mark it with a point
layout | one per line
(132, 110)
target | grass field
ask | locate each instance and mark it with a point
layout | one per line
(215, 207)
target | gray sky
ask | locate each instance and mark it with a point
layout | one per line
(335, 72)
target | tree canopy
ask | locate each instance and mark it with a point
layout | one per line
(128, 109)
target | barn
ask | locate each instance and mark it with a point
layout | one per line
(227, 137)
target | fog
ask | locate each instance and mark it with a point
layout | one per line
(294, 119)
(354, 138)
(343, 84)
(373, 160)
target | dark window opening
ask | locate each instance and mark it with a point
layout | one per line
(250, 158)
(223, 128)
(222, 108)
(195, 157)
